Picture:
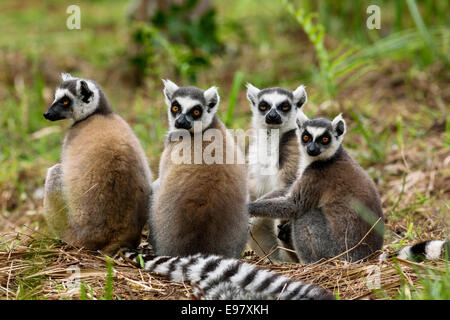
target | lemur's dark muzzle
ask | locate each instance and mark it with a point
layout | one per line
(182, 123)
(313, 150)
(52, 113)
(273, 117)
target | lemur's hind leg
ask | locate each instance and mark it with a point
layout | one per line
(313, 238)
(55, 208)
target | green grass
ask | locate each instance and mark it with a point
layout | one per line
(432, 285)
(109, 284)
(235, 89)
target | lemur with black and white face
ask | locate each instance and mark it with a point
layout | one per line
(98, 197)
(199, 207)
(333, 204)
(274, 126)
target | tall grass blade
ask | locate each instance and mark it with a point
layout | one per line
(426, 36)
(237, 82)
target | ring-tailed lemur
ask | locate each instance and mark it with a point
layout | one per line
(274, 125)
(200, 207)
(219, 278)
(98, 197)
(333, 203)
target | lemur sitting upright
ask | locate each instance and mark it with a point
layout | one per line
(333, 203)
(199, 207)
(98, 197)
(273, 158)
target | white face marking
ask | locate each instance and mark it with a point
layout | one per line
(274, 99)
(79, 110)
(316, 131)
(61, 93)
(327, 152)
(187, 103)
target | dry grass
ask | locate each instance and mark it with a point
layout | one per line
(42, 268)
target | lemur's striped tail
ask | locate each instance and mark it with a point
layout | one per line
(426, 250)
(218, 278)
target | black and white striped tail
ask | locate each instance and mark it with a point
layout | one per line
(218, 278)
(426, 250)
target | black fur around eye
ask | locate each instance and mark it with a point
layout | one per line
(306, 137)
(65, 101)
(285, 106)
(175, 108)
(263, 106)
(325, 139)
(196, 112)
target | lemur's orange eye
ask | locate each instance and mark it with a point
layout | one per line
(196, 112)
(305, 138)
(175, 109)
(65, 102)
(325, 140)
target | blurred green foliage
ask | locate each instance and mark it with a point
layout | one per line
(177, 36)
(352, 60)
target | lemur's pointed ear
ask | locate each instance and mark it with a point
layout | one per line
(339, 125)
(85, 92)
(169, 89)
(301, 118)
(300, 97)
(212, 98)
(252, 93)
(66, 76)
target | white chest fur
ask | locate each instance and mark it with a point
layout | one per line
(264, 162)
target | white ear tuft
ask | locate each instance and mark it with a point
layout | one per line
(301, 118)
(211, 93)
(212, 97)
(169, 88)
(66, 76)
(252, 93)
(300, 97)
(339, 125)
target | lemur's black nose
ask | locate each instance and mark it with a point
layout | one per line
(52, 115)
(273, 117)
(313, 150)
(182, 123)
